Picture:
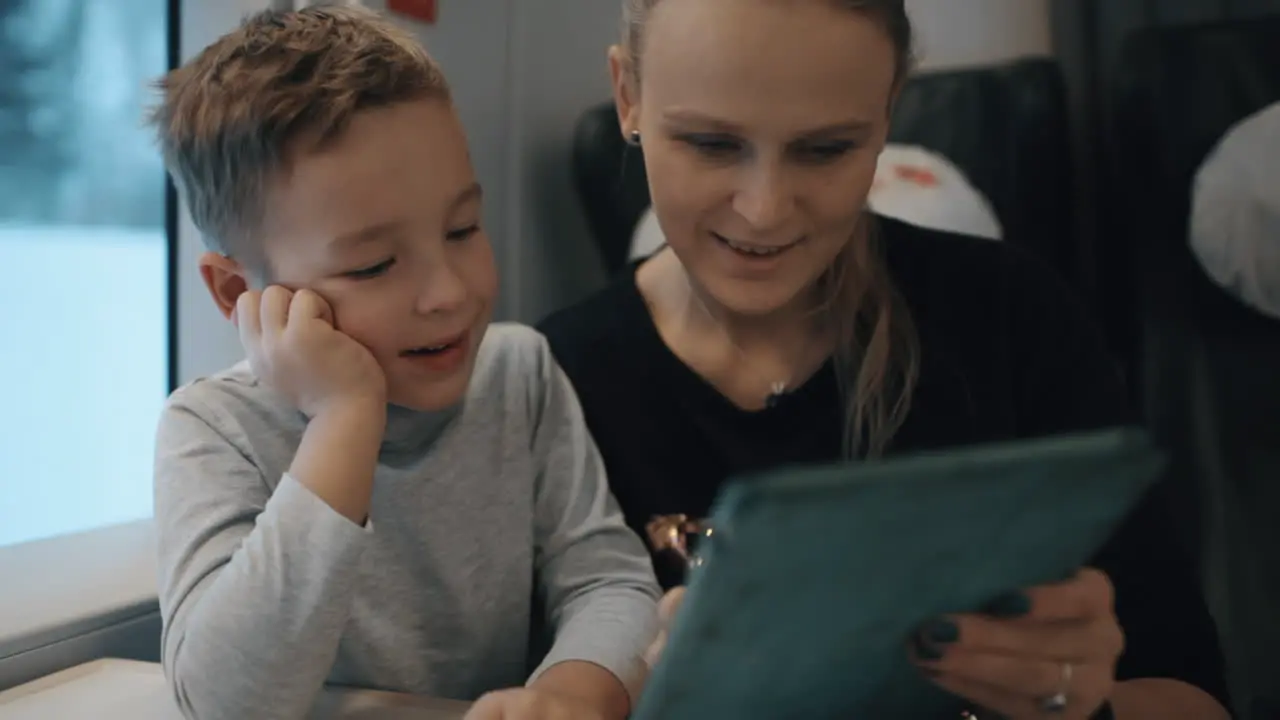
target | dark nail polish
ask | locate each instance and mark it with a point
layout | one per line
(941, 632)
(1011, 605)
(926, 650)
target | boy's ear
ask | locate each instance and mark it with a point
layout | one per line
(226, 280)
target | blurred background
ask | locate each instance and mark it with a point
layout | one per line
(84, 339)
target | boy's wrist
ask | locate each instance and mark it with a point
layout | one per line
(359, 422)
(338, 454)
(362, 411)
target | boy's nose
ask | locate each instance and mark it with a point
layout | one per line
(444, 292)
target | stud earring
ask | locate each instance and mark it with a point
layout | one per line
(634, 138)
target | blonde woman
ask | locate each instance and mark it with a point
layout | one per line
(785, 323)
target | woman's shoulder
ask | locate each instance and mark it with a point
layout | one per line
(605, 322)
(1003, 314)
(928, 257)
(944, 274)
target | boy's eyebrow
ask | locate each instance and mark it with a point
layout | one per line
(365, 235)
(473, 192)
(370, 233)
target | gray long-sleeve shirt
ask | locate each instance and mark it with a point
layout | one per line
(267, 593)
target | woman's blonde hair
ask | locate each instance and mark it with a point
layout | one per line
(877, 355)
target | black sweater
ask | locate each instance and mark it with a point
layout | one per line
(1007, 353)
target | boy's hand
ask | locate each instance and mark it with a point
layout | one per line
(293, 346)
(530, 704)
(667, 610)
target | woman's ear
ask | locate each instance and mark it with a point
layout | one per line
(226, 280)
(626, 91)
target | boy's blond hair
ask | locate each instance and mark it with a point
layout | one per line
(280, 83)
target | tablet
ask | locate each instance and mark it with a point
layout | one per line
(814, 579)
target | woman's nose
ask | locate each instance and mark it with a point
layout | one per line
(765, 200)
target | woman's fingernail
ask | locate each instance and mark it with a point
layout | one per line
(932, 636)
(1011, 605)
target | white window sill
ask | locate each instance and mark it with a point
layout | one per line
(72, 585)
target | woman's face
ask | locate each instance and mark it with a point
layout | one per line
(761, 122)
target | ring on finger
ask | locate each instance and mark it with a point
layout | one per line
(1057, 703)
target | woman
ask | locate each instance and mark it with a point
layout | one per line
(783, 323)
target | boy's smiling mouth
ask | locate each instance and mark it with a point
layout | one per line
(439, 357)
(437, 348)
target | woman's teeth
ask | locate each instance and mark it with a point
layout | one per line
(757, 250)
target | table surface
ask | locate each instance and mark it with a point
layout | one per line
(112, 689)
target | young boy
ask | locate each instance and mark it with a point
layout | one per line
(378, 494)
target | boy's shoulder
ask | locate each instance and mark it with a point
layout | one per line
(512, 352)
(515, 376)
(236, 405)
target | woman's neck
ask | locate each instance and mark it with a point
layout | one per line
(797, 325)
(747, 357)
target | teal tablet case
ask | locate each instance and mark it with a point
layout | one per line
(814, 579)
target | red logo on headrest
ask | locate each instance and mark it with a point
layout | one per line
(423, 10)
(918, 175)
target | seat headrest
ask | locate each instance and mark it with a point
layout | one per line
(1177, 92)
(1235, 213)
(611, 183)
(1006, 128)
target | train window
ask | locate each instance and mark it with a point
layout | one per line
(84, 248)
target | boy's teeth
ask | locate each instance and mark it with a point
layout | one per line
(436, 348)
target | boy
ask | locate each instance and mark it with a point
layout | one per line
(375, 496)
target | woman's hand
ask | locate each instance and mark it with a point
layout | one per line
(1028, 647)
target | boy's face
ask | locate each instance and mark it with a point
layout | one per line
(384, 223)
